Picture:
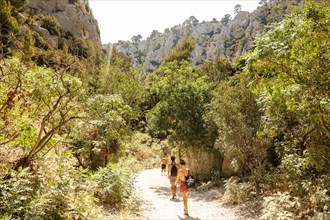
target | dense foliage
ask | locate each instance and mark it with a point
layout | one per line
(75, 123)
(62, 124)
(290, 70)
(183, 98)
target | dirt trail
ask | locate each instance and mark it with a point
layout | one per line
(154, 191)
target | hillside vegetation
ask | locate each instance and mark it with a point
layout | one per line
(78, 121)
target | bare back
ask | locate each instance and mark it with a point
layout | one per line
(163, 160)
(182, 173)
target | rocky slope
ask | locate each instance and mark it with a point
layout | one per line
(73, 16)
(228, 38)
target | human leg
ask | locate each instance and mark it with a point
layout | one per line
(163, 169)
(185, 202)
(173, 186)
(173, 189)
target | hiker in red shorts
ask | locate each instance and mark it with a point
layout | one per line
(182, 173)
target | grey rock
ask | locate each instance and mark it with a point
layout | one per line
(74, 16)
(213, 39)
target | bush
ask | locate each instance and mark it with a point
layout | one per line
(51, 24)
(80, 47)
(40, 42)
(9, 27)
(236, 192)
(216, 177)
(279, 206)
(56, 190)
(16, 193)
(66, 192)
(320, 200)
(115, 186)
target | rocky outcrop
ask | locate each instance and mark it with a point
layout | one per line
(73, 16)
(228, 38)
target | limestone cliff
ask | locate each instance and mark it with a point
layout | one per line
(74, 18)
(228, 38)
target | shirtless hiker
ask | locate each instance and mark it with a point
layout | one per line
(163, 163)
(172, 172)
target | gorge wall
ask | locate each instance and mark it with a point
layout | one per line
(227, 38)
(74, 17)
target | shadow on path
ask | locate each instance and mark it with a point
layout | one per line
(161, 190)
(165, 191)
(188, 218)
(204, 196)
(176, 200)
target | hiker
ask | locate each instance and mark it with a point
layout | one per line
(182, 173)
(163, 163)
(172, 172)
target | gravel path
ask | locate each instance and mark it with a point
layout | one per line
(155, 194)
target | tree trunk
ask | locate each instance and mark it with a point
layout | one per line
(23, 162)
(256, 185)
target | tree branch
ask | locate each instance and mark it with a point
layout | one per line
(11, 139)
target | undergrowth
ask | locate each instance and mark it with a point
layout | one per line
(56, 189)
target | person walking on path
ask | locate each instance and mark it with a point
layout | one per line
(182, 173)
(172, 172)
(163, 163)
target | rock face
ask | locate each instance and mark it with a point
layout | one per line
(74, 17)
(228, 38)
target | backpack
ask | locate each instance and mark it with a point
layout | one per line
(174, 170)
(190, 181)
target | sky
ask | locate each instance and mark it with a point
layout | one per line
(121, 20)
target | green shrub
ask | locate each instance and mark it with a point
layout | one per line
(237, 192)
(321, 200)
(115, 186)
(18, 4)
(79, 47)
(9, 27)
(216, 177)
(16, 193)
(280, 206)
(39, 41)
(66, 192)
(51, 24)
(56, 190)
